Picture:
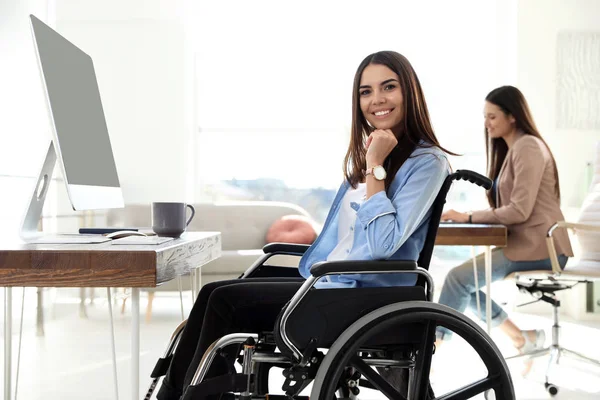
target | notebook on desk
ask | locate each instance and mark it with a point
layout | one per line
(68, 238)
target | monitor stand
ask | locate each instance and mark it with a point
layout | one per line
(29, 229)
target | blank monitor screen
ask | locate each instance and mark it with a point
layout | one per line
(82, 142)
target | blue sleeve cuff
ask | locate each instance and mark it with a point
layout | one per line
(376, 206)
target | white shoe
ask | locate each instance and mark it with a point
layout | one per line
(533, 345)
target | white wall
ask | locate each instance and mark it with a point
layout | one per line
(144, 67)
(539, 23)
(24, 129)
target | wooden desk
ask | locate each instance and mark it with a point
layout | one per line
(451, 234)
(100, 265)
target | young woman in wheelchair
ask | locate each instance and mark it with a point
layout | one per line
(525, 197)
(394, 168)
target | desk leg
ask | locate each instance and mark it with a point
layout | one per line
(39, 321)
(199, 282)
(112, 342)
(135, 343)
(488, 287)
(179, 283)
(7, 342)
(476, 280)
(193, 285)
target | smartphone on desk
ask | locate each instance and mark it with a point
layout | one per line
(104, 231)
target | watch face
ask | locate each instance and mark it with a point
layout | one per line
(379, 173)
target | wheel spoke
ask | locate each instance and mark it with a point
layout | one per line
(370, 332)
(472, 390)
(420, 383)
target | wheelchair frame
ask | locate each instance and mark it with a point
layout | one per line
(331, 372)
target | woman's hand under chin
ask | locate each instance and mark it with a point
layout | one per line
(455, 216)
(380, 144)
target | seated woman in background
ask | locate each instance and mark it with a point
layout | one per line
(525, 197)
(394, 169)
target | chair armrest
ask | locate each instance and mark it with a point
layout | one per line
(556, 269)
(286, 248)
(357, 266)
(575, 226)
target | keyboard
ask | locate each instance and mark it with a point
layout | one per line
(142, 240)
(67, 238)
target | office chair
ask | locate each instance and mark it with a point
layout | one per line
(586, 268)
(390, 328)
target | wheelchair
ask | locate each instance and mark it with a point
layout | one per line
(380, 338)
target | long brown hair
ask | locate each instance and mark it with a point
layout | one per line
(512, 102)
(416, 122)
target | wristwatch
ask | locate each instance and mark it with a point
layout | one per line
(377, 171)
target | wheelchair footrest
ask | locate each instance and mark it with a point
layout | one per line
(218, 385)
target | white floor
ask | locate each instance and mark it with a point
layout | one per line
(73, 359)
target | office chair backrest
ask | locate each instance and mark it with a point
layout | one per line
(589, 242)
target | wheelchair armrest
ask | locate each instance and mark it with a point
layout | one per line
(357, 266)
(286, 248)
(273, 249)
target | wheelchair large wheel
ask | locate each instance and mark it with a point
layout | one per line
(344, 353)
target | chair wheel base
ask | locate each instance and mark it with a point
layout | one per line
(551, 389)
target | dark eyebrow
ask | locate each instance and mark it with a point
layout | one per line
(382, 83)
(388, 81)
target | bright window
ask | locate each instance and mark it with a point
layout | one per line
(274, 89)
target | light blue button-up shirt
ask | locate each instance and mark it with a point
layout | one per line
(387, 227)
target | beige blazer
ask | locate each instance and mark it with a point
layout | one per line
(527, 203)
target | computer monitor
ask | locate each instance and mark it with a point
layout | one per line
(80, 136)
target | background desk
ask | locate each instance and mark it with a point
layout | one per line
(451, 234)
(100, 265)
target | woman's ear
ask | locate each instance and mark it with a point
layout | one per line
(511, 119)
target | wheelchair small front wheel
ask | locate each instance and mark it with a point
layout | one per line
(346, 350)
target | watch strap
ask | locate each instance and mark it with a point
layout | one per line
(371, 171)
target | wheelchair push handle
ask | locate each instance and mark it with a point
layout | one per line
(473, 177)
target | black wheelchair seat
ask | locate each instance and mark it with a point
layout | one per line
(325, 313)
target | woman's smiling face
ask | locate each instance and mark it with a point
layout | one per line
(381, 100)
(497, 123)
